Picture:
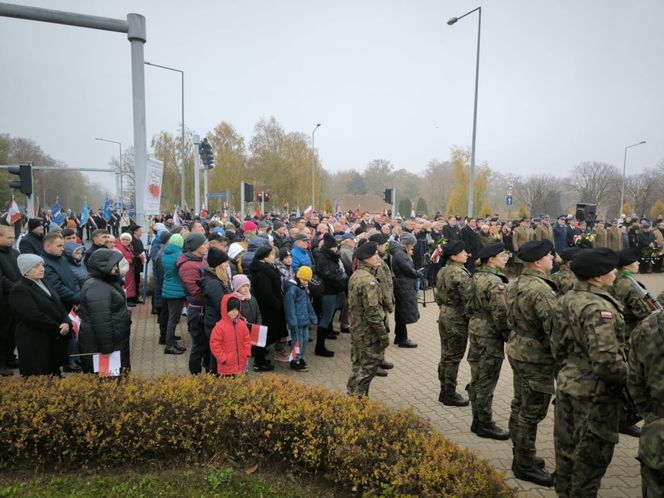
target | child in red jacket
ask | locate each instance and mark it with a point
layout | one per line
(230, 342)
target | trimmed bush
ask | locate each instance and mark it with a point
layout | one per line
(86, 421)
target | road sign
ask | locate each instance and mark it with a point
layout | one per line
(221, 195)
(509, 200)
(509, 191)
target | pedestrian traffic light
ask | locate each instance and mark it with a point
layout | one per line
(24, 183)
(389, 195)
(205, 151)
(259, 196)
(248, 192)
(267, 196)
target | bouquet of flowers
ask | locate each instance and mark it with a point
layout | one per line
(586, 239)
(436, 249)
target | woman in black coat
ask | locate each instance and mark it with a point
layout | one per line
(266, 288)
(42, 328)
(105, 318)
(405, 289)
(334, 285)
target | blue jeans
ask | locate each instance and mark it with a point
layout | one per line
(328, 307)
(300, 334)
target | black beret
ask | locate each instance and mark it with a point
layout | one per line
(365, 251)
(491, 250)
(594, 262)
(627, 257)
(378, 238)
(453, 248)
(262, 252)
(215, 257)
(534, 250)
(569, 253)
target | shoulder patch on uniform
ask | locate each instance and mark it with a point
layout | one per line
(606, 314)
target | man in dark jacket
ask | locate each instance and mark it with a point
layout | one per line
(59, 276)
(9, 275)
(405, 289)
(560, 235)
(99, 239)
(280, 236)
(157, 282)
(471, 240)
(33, 242)
(451, 231)
(139, 250)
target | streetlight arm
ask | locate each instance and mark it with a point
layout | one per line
(164, 67)
(453, 20)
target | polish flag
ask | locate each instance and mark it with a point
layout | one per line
(107, 365)
(75, 322)
(203, 212)
(13, 212)
(258, 335)
(296, 350)
(259, 214)
(308, 211)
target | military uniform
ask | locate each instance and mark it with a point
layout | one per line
(521, 235)
(645, 381)
(488, 332)
(368, 332)
(633, 308)
(544, 231)
(601, 236)
(452, 294)
(564, 280)
(530, 302)
(588, 346)
(614, 239)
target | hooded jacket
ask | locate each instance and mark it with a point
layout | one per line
(59, 275)
(230, 342)
(105, 319)
(248, 257)
(76, 267)
(172, 287)
(297, 306)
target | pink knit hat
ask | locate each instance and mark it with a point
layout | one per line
(249, 226)
(240, 280)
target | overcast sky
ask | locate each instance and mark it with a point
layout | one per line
(561, 82)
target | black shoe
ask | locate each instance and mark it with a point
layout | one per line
(173, 350)
(345, 330)
(155, 311)
(386, 365)
(539, 462)
(180, 347)
(6, 372)
(630, 430)
(533, 474)
(492, 431)
(325, 353)
(473, 425)
(130, 304)
(321, 350)
(72, 369)
(407, 343)
(162, 342)
(380, 372)
(453, 400)
(331, 335)
(263, 367)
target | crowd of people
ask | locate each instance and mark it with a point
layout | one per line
(252, 290)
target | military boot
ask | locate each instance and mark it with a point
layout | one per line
(473, 425)
(454, 399)
(630, 430)
(321, 350)
(386, 365)
(381, 372)
(491, 431)
(533, 474)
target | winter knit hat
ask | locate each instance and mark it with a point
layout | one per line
(216, 257)
(195, 240)
(262, 252)
(34, 223)
(164, 235)
(249, 226)
(176, 240)
(235, 249)
(240, 280)
(284, 253)
(27, 262)
(233, 304)
(304, 273)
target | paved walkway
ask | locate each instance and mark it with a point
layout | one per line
(414, 383)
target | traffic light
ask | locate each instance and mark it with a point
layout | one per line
(248, 192)
(205, 151)
(24, 183)
(267, 196)
(259, 196)
(389, 195)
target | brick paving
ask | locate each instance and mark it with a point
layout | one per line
(413, 383)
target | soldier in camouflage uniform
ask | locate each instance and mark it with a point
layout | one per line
(565, 278)
(367, 316)
(589, 347)
(384, 276)
(530, 302)
(645, 381)
(488, 332)
(452, 294)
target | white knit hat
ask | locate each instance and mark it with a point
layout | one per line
(27, 262)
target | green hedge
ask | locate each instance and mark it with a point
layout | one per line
(85, 421)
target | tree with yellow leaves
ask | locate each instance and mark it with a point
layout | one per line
(657, 209)
(458, 201)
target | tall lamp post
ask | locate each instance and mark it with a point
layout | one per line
(182, 202)
(471, 188)
(313, 167)
(120, 193)
(622, 190)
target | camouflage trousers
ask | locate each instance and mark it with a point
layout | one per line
(584, 434)
(453, 340)
(485, 356)
(533, 389)
(652, 482)
(365, 357)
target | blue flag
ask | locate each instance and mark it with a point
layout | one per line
(107, 209)
(85, 213)
(132, 210)
(58, 216)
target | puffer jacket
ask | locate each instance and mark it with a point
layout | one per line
(60, 277)
(76, 267)
(189, 267)
(230, 342)
(297, 306)
(105, 318)
(405, 286)
(248, 257)
(172, 288)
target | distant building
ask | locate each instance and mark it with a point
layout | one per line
(369, 203)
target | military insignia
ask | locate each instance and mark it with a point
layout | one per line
(606, 314)
(501, 287)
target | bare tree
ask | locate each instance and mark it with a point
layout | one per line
(595, 182)
(643, 189)
(540, 193)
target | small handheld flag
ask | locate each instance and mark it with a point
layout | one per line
(107, 365)
(258, 335)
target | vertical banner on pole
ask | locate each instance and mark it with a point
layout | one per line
(153, 181)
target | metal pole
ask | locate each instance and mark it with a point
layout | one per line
(206, 201)
(197, 176)
(622, 190)
(313, 167)
(242, 200)
(183, 148)
(263, 203)
(121, 193)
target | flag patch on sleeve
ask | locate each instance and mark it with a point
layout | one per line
(606, 314)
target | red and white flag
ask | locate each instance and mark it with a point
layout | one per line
(107, 365)
(258, 335)
(308, 211)
(13, 212)
(296, 350)
(75, 322)
(203, 212)
(259, 213)
(142, 256)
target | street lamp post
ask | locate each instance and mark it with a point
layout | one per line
(471, 188)
(119, 192)
(622, 190)
(313, 167)
(183, 148)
